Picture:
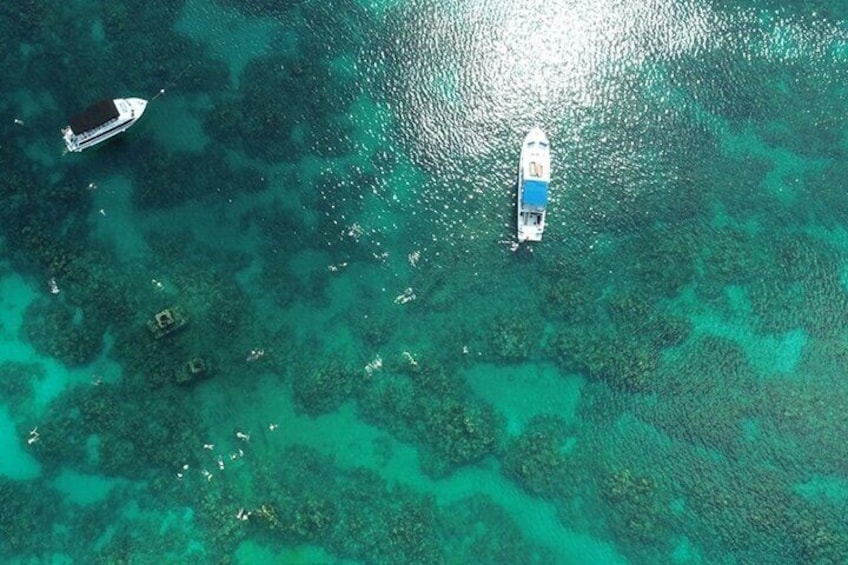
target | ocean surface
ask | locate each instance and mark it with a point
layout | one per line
(368, 368)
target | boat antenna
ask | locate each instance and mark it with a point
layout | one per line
(172, 83)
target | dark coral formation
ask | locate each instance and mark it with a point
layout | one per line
(639, 513)
(165, 179)
(538, 458)
(512, 338)
(429, 406)
(63, 332)
(321, 388)
(357, 515)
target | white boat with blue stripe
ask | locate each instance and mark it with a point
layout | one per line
(534, 176)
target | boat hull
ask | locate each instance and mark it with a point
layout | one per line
(102, 121)
(534, 175)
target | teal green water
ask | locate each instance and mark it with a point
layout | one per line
(326, 192)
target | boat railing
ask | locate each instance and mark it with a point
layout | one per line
(96, 131)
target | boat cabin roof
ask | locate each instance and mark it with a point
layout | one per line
(93, 116)
(535, 193)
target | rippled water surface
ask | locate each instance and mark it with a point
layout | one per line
(368, 369)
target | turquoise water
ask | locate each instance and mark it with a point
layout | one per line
(325, 191)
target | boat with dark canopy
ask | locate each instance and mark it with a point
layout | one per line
(102, 121)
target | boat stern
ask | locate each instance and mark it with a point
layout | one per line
(531, 232)
(70, 140)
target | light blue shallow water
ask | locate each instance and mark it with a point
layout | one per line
(325, 192)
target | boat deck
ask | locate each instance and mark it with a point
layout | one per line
(94, 116)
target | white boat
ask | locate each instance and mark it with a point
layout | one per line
(534, 176)
(101, 121)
